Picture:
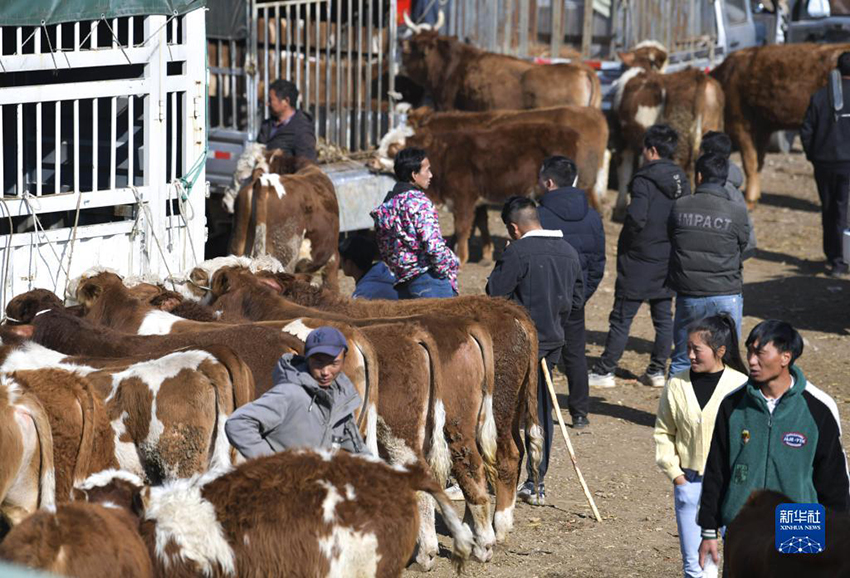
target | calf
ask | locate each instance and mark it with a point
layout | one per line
(79, 539)
(689, 101)
(344, 516)
(290, 211)
(27, 479)
(750, 547)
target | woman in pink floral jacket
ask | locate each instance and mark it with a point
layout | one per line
(409, 236)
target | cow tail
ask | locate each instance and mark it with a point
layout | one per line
(439, 456)
(84, 454)
(241, 391)
(242, 216)
(47, 475)
(533, 431)
(698, 121)
(241, 377)
(487, 434)
(258, 217)
(369, 411)
(463, 539)
(595, 90)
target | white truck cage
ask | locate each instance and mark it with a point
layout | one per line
(103, 147)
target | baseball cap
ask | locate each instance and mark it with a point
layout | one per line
(327, 340)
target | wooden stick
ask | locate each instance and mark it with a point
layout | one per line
(567, 439)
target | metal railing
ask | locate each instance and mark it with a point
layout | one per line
(341, 55)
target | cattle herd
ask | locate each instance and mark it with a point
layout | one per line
(113, 458)
(113, 445)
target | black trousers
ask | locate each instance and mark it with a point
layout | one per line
(573, 363)
(544, 414)
(833, 190)
(619, 323)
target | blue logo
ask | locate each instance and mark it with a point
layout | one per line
(794, 439)
(800, 528)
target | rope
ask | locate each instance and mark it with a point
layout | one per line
(37, 224)
(50, 45)
(144, 206)
(181, 206)
(73, 241)
(8, 246)
(115, 38)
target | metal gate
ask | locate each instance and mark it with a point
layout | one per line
(103, 138)
(341, 54)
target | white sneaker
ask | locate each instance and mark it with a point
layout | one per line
(653, 379)
(454, 493)
(601, 379)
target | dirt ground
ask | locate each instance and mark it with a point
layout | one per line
(786, 280)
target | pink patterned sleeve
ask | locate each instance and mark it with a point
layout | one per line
(443, 259)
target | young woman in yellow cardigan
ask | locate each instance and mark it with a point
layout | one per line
(685, 421)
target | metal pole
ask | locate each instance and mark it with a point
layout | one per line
(328, 32)
(523, 28)
(393, 47)
(587, 29)
(557, 30)
(370, 39)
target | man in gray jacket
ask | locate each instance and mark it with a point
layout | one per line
(311, 404)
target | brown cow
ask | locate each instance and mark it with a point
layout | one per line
(462, 77)
(648, 54)
(768, 89)
(688, 100)
(289, 210)
(515, 369)
(80, 539)
(344, 516)
(469, 153)
(56, 328)
(750, 546)
(27, 478)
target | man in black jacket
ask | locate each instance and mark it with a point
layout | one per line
(564, 207)
(288, 129)
(542, 272)
(825, 134)
(643, 255)
(708, 234)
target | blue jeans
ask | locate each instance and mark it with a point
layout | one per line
(425, 286)
(690, 309)
(686, 499)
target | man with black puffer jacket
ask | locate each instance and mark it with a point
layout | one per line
(643, 255)
(564, 207)
(708, 234)
(541, 272)
(825, 134)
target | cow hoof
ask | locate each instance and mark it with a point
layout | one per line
(426, 561)
(481, 554)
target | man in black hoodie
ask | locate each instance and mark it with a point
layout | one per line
(541, 272)
(564, 207)
(643, 255)
(288, 129)
(825, 134)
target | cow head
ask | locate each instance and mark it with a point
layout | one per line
(166, 300)
(229, 279)
(23, 308)
(90, 290)
(422, 57)
(648, 55)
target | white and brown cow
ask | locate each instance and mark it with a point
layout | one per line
(289, 210)
(689, 101)
(27, 478)
(290, 514)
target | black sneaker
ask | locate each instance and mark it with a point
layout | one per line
(527, 494)
(580, 422)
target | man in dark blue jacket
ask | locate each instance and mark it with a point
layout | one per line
(565, 208)
(541, 272)
(358, 257)
(643, 256)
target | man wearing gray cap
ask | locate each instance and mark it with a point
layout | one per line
(311, 404)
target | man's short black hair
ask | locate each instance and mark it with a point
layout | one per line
(407, 162)
(520, 210)
(285, 90)
(781, 334)
(663, 139)
(712, 168)
(560, 169)
(844, 63)
(362, 251)
(716, 142)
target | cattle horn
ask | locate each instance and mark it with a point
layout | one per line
(409, 23)
(441, 20)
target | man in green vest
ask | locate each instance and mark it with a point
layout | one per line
(777, 431)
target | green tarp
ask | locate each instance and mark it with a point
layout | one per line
(34, 12)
